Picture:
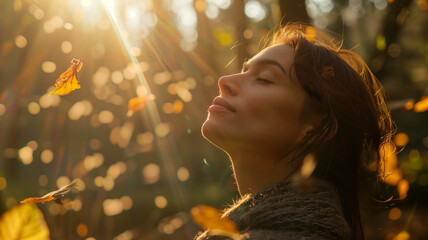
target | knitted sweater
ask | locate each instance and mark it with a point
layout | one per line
(285, 212)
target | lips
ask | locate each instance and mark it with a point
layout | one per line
(220, 103)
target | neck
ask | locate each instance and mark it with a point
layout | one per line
(255, 170)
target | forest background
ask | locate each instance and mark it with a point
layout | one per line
(140, 175)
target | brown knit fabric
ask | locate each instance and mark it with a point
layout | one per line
(285, 212)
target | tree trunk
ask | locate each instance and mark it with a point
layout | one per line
(293, 11)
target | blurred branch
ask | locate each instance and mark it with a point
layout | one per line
(395, 18)
(241, 24)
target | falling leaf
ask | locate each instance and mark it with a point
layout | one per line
(138, 103)
(24, 222)
(50, 196)
(311, 33)
(308, 165)
(422, 105)
(209, 218)
(68, 81)
(302, 179)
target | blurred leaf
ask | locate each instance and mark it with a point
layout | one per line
(138, 103)
(403, 235)
(23, 222)
(380, 42)
(301, 179)
(209, 218)
(51, 196)
(422, 105)
(67, 81)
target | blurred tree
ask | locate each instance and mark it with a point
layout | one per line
(293, 11)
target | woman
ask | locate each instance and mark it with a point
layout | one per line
(300, 97)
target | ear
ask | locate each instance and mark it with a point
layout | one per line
(312, 123)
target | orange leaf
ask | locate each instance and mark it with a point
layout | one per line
(210, 218)
(51, 196)
(138, 103)
(37, 200)
(68, 81)
(422, 105)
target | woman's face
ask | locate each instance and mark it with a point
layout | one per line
(260, 108)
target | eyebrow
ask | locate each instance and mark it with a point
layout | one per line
(265, 62)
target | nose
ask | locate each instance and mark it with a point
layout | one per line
(229, 85)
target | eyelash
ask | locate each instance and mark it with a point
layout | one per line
(264, 80)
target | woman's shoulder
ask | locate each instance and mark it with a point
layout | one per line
(291, 209)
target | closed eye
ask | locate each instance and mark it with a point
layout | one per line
(264, 80)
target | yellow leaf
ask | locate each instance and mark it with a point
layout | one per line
(37, 200)
(311, 33)
(67, 81)
(138, 103)
(23, 222)
(209, 218)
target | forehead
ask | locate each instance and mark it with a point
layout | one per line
(281, 53)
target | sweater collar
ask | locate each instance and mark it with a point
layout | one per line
(284, 207)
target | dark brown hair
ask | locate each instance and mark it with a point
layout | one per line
(356, 120)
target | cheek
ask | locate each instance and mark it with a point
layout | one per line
(280, 119)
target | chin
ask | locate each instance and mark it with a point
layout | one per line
(211, 132)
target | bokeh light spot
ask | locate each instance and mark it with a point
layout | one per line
(57, 21)
(66, 47)
(62, 181)
(161, 201)
(49, 27)
(108, 183)
(43, 180)
(39, 14)
(162, 77)
(254, 10)
(3, 183)
(105, 117)
(33, 108)
(46, 156)
(248, 33)
(394, 213)
(77, 205)
(145, 138)
(112, 207)
(82, 230)
(183, 174)
(212, 11)
(26, 155)
(126, 202)
(401, 139)
(168, 108)
(2, 109)
(162, 129)
(117, 77)
(151, 173)
(98, 181)
(20, 41)
(101, 76)
(48, 67)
